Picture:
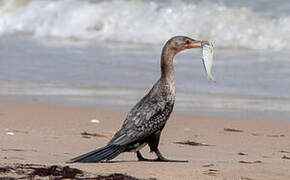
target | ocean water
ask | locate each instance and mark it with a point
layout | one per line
(106, 54)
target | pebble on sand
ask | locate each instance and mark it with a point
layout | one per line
(10, 133)
(95, 121)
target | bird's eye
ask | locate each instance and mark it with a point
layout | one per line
(187, 42)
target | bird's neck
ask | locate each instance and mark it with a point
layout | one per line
(167, 68)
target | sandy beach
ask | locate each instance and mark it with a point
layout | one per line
(229, 148)
(70, 71)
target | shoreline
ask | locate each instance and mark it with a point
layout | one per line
(82, 76)
(51, 135)
(233, 106)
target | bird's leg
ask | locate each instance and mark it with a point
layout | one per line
(159, 158)
(141, 158)
(163, 159)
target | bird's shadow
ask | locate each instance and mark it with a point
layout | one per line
(104, 162)
(122, 161)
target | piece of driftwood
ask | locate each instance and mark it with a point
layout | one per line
(208, 165)
(233, 130)
(89, 135)
(192, 143)
(245, 178)
(285, 151)
(285, 157)
(250, 162)
(276, 135)
(211, 172)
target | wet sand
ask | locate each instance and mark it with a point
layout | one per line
(229, 148)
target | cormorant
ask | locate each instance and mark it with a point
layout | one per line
(146, 120)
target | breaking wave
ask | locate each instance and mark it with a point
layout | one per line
(144, 22)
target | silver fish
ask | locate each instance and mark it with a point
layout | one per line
(207, 58)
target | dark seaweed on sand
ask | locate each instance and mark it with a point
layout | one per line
(5, 169)
(63, 172)
(32, 171)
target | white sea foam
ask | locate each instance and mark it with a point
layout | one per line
(143, 22)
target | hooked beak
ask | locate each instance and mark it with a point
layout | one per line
(193, 44)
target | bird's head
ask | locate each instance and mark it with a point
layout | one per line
(179, 43)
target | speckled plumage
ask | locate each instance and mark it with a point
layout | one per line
(147, 117)
(145, 121)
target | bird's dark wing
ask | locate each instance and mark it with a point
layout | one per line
(148, 116)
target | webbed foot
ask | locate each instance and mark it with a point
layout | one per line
(159, 158)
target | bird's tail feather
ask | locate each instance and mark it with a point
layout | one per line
(105, 153)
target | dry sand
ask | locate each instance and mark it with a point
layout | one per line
(51, 135)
